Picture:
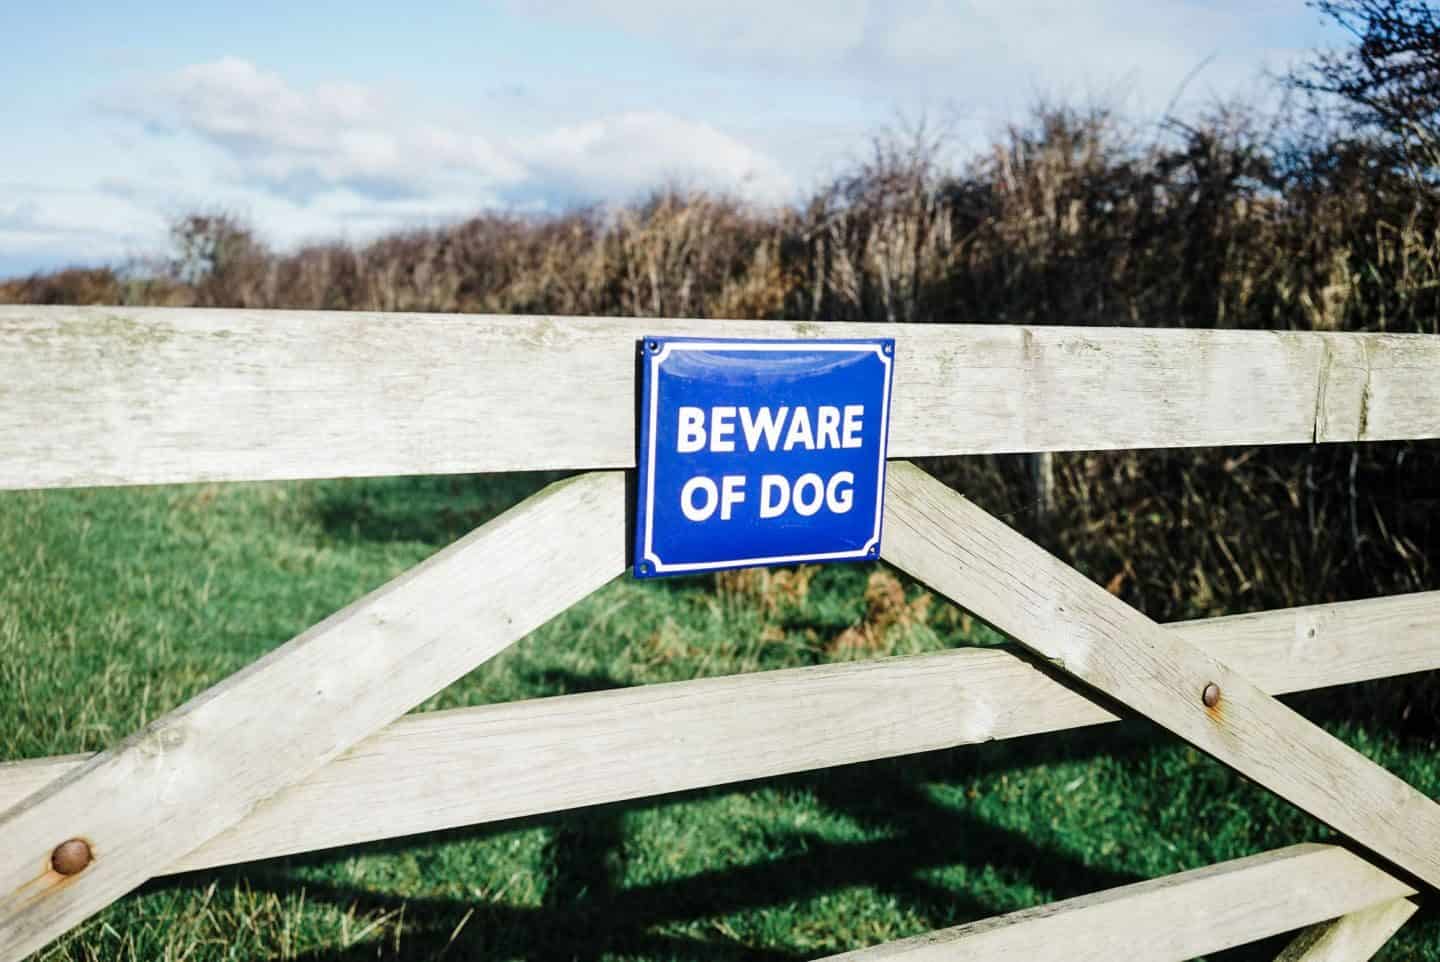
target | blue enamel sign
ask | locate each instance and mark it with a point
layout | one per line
(760, 452)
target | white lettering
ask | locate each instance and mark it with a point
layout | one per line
(692, 430)
(800, 432)
(853, 413)
(722, 425)
(806, 508)
(764, 423)
(774, 485)
(840, 501)
(687, 498)
(829, 427)
(732, 492)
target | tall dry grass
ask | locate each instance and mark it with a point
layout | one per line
(1069, 218)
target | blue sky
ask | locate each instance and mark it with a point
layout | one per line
(344, 120)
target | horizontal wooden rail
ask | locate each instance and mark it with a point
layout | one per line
(95, 395)
(467, 766)
(1167, 919)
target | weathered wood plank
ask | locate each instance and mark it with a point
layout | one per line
(1370, 384)
(1167, 919)
(92, 396)
(203, 767)
(468, 766)
(1350, 938)
(941, 538)
(1297, 649)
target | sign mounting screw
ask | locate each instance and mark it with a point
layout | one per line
(1211, 695)
(70, 857)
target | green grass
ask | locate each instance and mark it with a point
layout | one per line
(117, 605)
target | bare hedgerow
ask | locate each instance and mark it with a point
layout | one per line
(1228, 218)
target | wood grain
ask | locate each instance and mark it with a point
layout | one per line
(1350, 938)
(96, 395)
(970, 557)
(467, 766)
(203, 767)
(1167, 919)
(1297, 649)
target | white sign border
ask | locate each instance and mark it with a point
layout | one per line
(653, 416)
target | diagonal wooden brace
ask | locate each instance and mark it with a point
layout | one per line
(944, 540)
(133, 811)
(1350, 938)
(1181, 916)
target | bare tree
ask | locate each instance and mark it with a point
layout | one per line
(1388, 81)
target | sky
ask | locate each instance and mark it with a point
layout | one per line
(317, 121)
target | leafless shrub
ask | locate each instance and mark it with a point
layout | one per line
(1227, 220)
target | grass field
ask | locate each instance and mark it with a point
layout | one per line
(116, 605)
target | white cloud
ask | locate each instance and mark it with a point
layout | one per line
(994, 55)
(338, 139)
(19, 215)
(755, 96)
(638, 151)
(339, 161)
(55, 227)
(1121, 50)
(302, 143)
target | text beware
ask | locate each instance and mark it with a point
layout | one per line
(833, 427)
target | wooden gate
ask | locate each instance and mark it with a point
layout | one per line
(307, 748)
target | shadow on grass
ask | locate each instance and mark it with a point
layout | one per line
(588, 913)
(587, 916)
(430, 509)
